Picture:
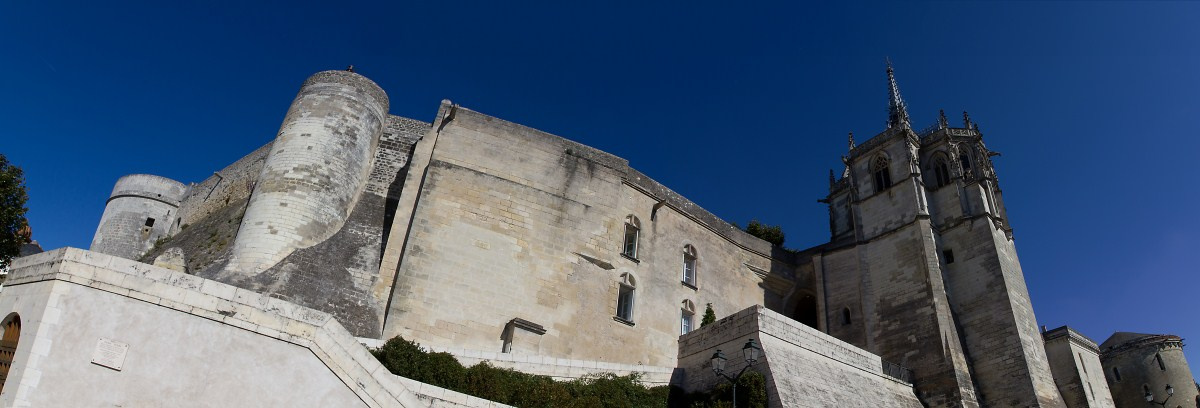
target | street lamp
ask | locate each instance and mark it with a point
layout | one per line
(751, 351)
(1150, 396)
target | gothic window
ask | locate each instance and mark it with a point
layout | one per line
(846, 317)
(965, 160)
(883, 177)
(941, 174)
(1158, 359)
(632, 230)
(8, 345)
(625, 298)
(689, 265)
(687, 317)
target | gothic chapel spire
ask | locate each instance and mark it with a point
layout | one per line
(897, 111)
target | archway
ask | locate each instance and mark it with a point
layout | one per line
(8, 344)
(806, 311)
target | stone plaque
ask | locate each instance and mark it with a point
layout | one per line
(110, 353)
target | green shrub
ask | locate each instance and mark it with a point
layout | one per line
(407, 359)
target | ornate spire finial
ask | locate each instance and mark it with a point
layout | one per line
(831, 179)
(966, 120)
(942, 122)
(851, 140)
(897, 111)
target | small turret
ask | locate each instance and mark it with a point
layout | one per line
(139, 212)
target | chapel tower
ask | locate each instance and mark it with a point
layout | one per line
(921, 267)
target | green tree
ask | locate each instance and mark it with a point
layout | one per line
(769, 233)
(709, 316)
(12, 211)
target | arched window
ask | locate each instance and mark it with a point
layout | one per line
(689, 265)
(1158, 359)
(625, 298)
(941, 173)
(965, 160)
(883, 177)
(8, 345)
(846, 317)
(687, 317)
(632, 230)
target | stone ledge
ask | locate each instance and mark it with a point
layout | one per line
(314, 330)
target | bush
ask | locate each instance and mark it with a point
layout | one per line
(407, 359)
(770, 233)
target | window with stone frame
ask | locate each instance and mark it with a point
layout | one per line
(689, 265)
(941, 172)
(633, 229)
(846, 320)
(883, 176)
(625, 298)
(687, 317)
(965, 160)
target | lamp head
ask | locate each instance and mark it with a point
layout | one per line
(751, 351)
(1170, 390)
(718, 362)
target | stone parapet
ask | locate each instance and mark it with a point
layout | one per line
(802, 366)
(212, 300)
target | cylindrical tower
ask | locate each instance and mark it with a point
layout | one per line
(315, 170)
(139, 212)
(1139, 366)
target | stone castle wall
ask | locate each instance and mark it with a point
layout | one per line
(515, 223)
(139, 212)
(316, 170)
(803, 366)
(1075, 363)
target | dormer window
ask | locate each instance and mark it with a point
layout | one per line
(883, 177)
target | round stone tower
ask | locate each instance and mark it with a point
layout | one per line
(1139, 366)
(315, 170)
(139, 212)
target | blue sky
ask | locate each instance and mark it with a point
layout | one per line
(742, 108)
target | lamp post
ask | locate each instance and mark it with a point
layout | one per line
(1150, 396)
(750, 351)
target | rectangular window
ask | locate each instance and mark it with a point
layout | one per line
(686, 322)
(689, 269)
(149, 222)
(631, 241)
(625, 303)
(948, 255)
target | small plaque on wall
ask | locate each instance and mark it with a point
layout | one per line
(110, 353)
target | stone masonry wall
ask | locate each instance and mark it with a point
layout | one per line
(317, 169)
(515, 223)
(803, 367)
(1075, 364)
(138, 213)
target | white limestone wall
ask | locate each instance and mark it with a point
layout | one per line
(315, 171)
(192, 342)
(135, 199)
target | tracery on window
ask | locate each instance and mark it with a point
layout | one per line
(883, 177)
(941, 172)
